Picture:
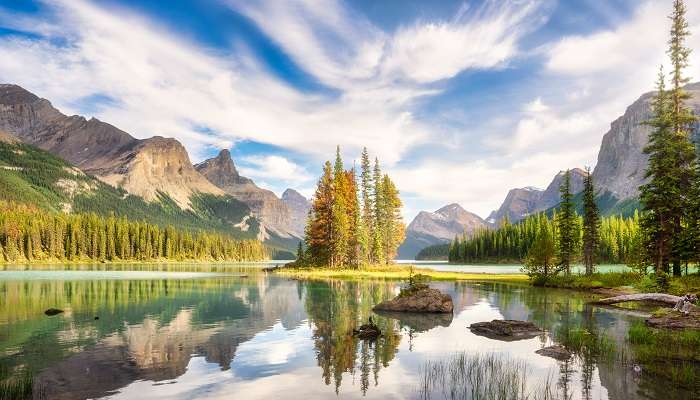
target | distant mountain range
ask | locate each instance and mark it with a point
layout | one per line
(520, 203)
(618, 173)
(157, 170)
(441, 226)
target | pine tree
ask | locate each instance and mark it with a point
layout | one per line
(393, 228)
(681, 119)
(340, 224)
(377, 250)
(591, 223)
(566, 224)
(365, 223)
(657, 194)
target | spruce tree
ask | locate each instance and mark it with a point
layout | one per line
(319, 229)
(377, 249)
(566, 225)
(682, 119)
(658, 194)
(340, 225)
(591, 223)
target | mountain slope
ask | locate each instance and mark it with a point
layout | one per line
(145, 168)
(33, 176)
(438, 227)
(621, 160)
(299, 207)
(273, 213)
(519, 203)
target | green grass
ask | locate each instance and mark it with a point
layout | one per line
(480, 377)
(18, 386)
(670, 355)
(594, 281)
(392, 272)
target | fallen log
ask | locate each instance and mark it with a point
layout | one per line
(655, 297)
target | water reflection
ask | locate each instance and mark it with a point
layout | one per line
(262, 337)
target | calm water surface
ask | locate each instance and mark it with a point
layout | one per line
(249, 335)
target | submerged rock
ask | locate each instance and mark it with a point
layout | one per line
(368, 331)
(557, 352)
(507, 329)
(425, 300)
(53, 311)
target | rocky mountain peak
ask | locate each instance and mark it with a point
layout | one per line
(621, 160)
(142, 167)
(440, 226)
(221, 171)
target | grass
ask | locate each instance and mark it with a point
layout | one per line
(671, 355)
(393, 272)
(479, 377)
(18, 387)
(594, 281)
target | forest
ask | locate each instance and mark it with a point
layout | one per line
(30, 234)
(351, 223)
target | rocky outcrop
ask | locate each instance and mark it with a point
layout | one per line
(273, 213)
(142, 167)
(520, 203)
(7, 138)
(441, 226)
(299, 207)
(621, 160)
(426, 300)
(507, 330)
(557, 352)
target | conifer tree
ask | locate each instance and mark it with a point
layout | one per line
(681, 119)
(377, 250)
(655, 195)
(591, 223)
(319, 229)
(340, 224)
(566, 225)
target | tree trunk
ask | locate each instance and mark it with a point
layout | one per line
(657, 297)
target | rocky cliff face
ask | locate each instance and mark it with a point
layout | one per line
(621, 161)
(520, 203)
(274, 213)
(441, 226)
(142, 167)
(299, 207)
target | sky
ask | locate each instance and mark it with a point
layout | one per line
(460, 100)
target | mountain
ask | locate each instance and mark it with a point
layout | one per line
(29, 175)
(441, 226)
(274, 213)
(621, 160)
(147, 168)
(299, 207)
(519, 203)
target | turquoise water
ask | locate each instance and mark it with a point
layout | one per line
(251, 335)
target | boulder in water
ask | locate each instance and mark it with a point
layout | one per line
(53, 311)
(557, 352)
(508, 329)
(425, 300)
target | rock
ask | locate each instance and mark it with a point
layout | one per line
(676, 320)
(441, 226)
(556, 352)
(53, 311)
(507, 330)
(299, 207)
(422, 301)
(368, 331)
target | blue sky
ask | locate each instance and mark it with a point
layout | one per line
(460, 100)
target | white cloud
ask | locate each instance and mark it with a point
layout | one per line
(273, 167)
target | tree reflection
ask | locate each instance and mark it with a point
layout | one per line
(335, 308)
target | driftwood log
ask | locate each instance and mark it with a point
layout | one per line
(683, 304)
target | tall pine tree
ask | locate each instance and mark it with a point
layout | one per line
(591, 223)
(566, 225)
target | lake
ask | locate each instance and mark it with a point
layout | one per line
(240, 333)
